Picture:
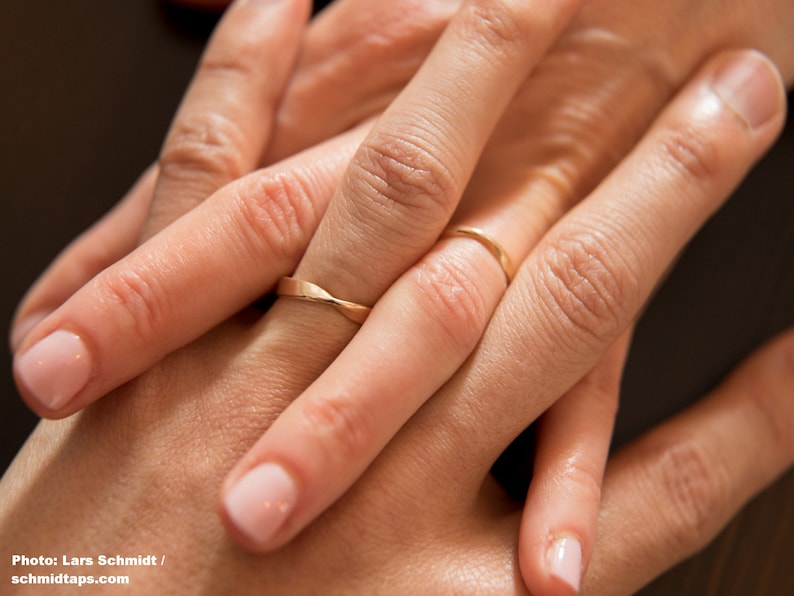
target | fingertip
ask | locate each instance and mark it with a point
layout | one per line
(257, 505)
(751, 86)
(564, 563)
(552, 566)
(52, 371)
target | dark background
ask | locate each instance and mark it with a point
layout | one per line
(87, 89)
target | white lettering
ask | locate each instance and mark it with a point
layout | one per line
(40, 560)
(119, 561)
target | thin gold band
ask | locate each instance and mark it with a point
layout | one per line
(289, 287)
(493, 247)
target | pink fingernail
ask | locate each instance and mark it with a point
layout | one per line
(750, 86)
(261, 501)
(565, 561)
(55, 368)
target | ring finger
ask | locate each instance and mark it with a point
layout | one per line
(586, 281)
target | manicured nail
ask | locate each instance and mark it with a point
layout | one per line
(565, 561)
(55, 368)
(751, 87)
(261, 501)
(24, 327)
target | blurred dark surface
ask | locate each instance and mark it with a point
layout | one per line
(89, 87)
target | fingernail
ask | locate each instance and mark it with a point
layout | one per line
(24, 327)
(751, 87)
(261, 501)
(565, 561)
(55, 368)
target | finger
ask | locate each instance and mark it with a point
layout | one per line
(309, 464)
(203, 268)
(669, 493)
(417, 336)
(356, 56)
(222, 127)
(561, 512)
(408, 175)
(584, 284)
(351, 411)
(392, 205)
(112, 237)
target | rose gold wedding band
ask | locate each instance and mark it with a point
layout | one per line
(493, 247)
(289, 287)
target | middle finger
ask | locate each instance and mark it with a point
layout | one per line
(409, 173)
(588, 278)
(397, 196)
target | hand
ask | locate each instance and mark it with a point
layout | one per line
(136, 473)
(721, 126)
(486, 257)
(325, 97)
(45, 296)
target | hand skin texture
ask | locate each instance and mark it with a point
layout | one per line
(485, 178)
(158, 480)
(138, 474)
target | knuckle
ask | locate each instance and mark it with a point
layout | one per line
(585, 479)
(400, 33)
(402, 38)
(688, 152)
(506, 29)
(419, 21)
(274, 213)
(587, 284)
(403, 24)
(498, 26)
(451, 294)
(139, 298)
(342, 428)
(397, 172)
(240, 61)
(210, 144)
(693, 495)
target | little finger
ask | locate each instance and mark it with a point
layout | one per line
(669, 493)
(561, 512)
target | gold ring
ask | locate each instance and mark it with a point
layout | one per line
(289, 287)
(493, 247)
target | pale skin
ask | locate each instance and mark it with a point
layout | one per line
(554, 187)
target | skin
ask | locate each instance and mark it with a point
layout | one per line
(171, 455)
(162, 484)
(554, 201)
